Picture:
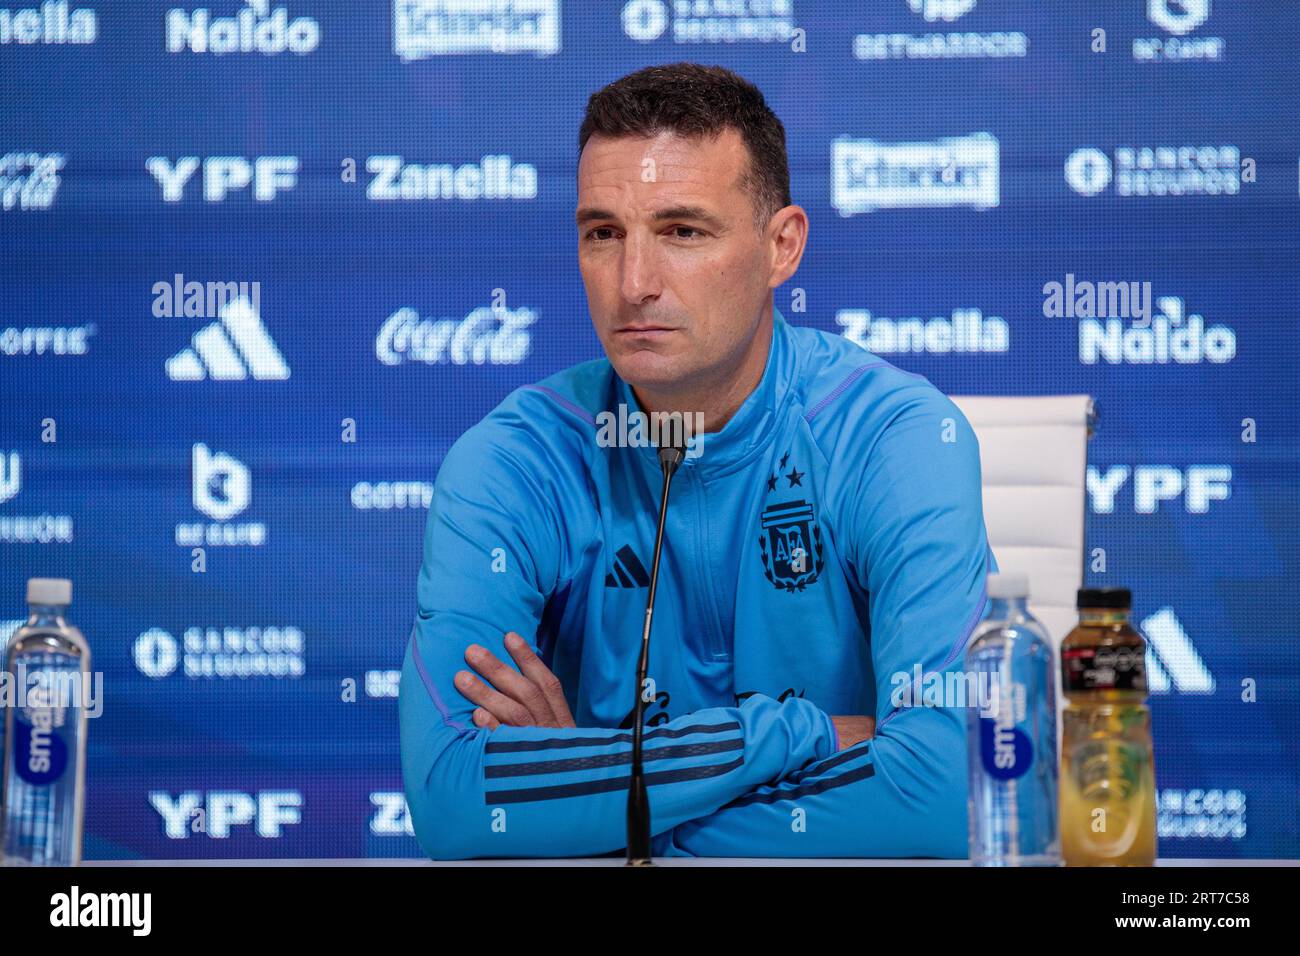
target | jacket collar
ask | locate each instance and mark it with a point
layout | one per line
(754, 424)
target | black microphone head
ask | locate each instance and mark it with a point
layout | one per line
(670, 456)
(671, 428)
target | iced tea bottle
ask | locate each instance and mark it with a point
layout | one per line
(1107, 781)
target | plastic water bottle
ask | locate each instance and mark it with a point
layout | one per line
(1011, 734)
(45, 732)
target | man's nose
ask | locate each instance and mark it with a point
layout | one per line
(641, 269)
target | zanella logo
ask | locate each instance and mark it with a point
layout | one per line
(968, 330)
(958, 171)
(257, 28)
(488, 335)
(764, 21)
(392, 816)
(425, 28)
(492, 177)
(231, 349)
(55, 22)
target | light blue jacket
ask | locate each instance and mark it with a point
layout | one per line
(825, 548)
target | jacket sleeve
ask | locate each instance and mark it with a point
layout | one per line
(921, 555)
(494, 552)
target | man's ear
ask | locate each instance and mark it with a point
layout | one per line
(788, 235)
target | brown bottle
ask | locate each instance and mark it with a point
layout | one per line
(1107, 783)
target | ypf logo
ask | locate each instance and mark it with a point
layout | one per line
(155, 653)
(1178, 16)
(222, 486)
(1088, 171)
(224, 175)
(216, 813)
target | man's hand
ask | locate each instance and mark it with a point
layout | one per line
(853, 730)
(529, 697)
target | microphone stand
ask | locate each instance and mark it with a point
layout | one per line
(638, 799)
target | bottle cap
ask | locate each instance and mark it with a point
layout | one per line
(49, 591)
(1008, 586)
(1118, 598)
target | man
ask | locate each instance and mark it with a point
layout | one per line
(825, 542)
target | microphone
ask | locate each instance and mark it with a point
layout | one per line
(672, 449)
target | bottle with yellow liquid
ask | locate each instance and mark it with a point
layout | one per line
(1107, 782)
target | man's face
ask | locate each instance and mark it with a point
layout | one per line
(677, 274)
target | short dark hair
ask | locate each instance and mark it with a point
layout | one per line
(693, 100)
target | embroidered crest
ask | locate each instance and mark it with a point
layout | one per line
(791, 547)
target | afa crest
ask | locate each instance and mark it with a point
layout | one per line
(791, 547)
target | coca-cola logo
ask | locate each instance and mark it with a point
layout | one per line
(488, 335)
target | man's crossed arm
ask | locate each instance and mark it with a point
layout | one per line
(532, 696)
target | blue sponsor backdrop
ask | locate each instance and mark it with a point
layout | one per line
(386, 171)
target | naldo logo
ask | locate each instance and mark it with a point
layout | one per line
(257, 28)
(1088, 171)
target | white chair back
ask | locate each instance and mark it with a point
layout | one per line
(1033, 458)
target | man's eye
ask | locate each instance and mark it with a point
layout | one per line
(600, 233)
(678, 230)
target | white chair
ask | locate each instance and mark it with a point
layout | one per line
(1033, 458)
